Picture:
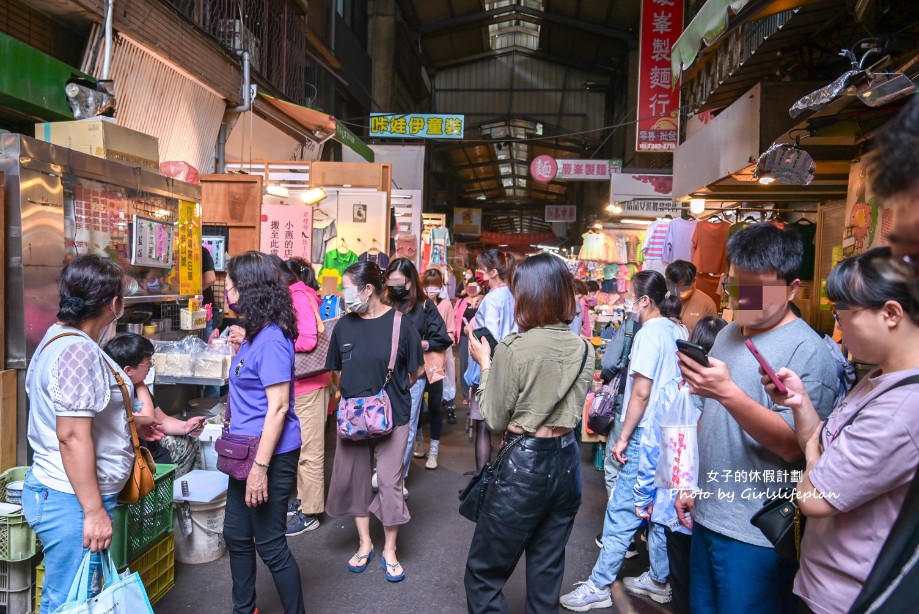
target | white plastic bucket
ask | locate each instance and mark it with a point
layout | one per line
(205, 543)
(208, 451)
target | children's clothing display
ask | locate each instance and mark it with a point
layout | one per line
(596, 248)
(406, 246)
(339, 260)
(709, 254)
(653, 246)
(375, 256)
(436, 241)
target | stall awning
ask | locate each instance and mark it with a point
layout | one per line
(321, 125)
(709, 23)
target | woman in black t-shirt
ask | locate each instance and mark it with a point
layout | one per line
(405, 292)
(360, 349)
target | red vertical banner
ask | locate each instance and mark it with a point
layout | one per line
(658, 98)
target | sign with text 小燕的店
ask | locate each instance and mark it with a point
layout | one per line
(417, 126)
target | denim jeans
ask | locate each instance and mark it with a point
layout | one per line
(732, 576)
(620, 525)
(57, 519)
(611, 467)
(262, 529)
(529, 507)
(417, 398)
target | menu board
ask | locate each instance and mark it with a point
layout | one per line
(152, 243)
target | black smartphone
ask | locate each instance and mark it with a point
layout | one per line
(484, 333)
(694, 351)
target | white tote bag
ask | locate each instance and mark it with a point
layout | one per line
(678, 464)
(122, 593)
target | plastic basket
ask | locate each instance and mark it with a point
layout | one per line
(157, 567)
(39, 579)
(138, 525)
(17, 540)
(17, 587)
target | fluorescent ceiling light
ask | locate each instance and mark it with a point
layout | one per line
(696, 205)
(636, 222)
(277, 190)
(313, 195)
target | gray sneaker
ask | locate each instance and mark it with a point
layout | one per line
(645, 585)
(586, 597)
(293, 506)
(301, 523)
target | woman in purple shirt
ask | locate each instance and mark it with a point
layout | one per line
(261, 404)
(861, 462)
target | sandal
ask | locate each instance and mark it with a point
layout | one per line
(366, 558)
(387, 566)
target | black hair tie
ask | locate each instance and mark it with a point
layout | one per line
(73, 302)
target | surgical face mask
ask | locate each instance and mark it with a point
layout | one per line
(398, 292)
(432, 291)
(353, 300)
(232, 305)
(468, 276)
(630, 305)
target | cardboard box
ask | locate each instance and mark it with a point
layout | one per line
(192, 320)
(103, 139)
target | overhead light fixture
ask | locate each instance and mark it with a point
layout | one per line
(786, 164)
(696, 205)
(635, 222)
(885, 87)
(277, 190)
(346, 185)
(614, 208)
(313, 195)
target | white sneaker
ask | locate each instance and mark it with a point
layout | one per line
(419, 446)
(374, 482)
(404, 492)
(586, 597)
(645, 585)
(432, 462)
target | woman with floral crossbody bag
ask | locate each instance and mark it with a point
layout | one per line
(360, 350)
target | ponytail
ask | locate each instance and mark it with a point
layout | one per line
(661, 291)
(503, 262)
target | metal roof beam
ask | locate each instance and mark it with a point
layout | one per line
(511, 12)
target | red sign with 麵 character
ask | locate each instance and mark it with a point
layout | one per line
(658, 97)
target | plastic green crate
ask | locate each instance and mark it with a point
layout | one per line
(138, 525)
(17, 540)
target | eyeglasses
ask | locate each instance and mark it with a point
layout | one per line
(840, 306)
(228, 288)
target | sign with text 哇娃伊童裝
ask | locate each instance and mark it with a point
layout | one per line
(658, 97)
(417, 126)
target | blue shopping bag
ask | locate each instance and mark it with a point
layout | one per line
(121, 594)
(473, 373)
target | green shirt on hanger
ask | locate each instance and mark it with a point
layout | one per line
(339, 261)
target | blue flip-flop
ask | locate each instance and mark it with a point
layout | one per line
(387, 566)
(361, 557)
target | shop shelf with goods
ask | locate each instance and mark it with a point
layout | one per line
(156, 568)
(17, 540)
(138, 525)
(17, 586)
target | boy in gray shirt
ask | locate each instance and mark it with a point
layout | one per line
(748, 452)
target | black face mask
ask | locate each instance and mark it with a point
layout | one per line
(398, 292)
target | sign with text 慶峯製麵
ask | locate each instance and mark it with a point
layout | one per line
(658, 96)
(587, 170)
(417, 126)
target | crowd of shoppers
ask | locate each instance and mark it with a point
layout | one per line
(847, 458)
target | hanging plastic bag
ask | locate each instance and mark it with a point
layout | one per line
(123, 593)
(473, 373)
(678, 465)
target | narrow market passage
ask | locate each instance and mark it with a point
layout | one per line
(432, 547)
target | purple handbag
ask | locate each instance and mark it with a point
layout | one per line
(235, 453)
(370, 417)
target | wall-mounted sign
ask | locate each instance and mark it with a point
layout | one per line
(286, 231)
(543, 168)
(417, 126)
(658, 97)
(467, 221)
(152, 243)
(587, 170)
(561, 213)
(644, 194)
(217, 246)
(188, 242)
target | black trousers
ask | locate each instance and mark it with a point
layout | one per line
(678, 546)
(529, 507)
(262, 529)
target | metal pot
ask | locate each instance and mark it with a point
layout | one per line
(125, 327)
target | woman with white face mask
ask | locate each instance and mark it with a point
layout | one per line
(359, 350)
(464, 313)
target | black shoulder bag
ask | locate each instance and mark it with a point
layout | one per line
(781, 520)
(473, 496)
(607, 403)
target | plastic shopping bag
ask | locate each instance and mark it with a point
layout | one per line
(122, 594)
(678, 465)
